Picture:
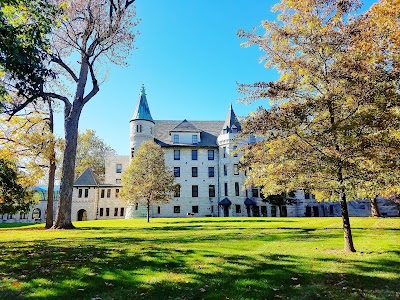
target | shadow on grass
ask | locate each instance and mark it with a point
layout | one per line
(157, 267)
(14, 225)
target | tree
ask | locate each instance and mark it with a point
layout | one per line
(147, 179)
(24, 47)
(94, 33)
(91, 153)
(14, 196)
(334, 117)
(280, 200)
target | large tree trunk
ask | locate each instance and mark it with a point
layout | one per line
(71, 120)
(374, 208)
(348, 238)
(148, 210)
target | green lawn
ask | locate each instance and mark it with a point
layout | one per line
(209, 258)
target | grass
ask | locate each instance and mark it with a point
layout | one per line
(208, 258)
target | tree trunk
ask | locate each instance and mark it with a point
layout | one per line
(52, 172)
(374, 208)
(348, 238)
(71, 121)
(148, 210)
(50, 192)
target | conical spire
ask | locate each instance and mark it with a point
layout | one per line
(231, 122)
(142, 111)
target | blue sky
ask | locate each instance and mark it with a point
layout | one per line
(189, 59)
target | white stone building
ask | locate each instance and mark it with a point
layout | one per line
(202, 156)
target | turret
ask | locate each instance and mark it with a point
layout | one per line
(141, 124)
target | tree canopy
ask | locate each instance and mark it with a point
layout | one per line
(334, 120)
(91, 153)
(14, 196)
(147, 179)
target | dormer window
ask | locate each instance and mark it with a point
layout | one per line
(194, 139)
(176, 138)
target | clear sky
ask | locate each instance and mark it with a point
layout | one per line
(189, 59)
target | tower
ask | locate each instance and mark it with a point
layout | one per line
(141, 124)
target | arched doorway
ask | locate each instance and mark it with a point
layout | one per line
(82, 215)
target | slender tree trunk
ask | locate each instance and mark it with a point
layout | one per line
(374, 208)
(52, 172)
(148, 210)
(50, 192)
(348, 238)
(71, 120)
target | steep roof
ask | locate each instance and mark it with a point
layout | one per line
(209, 132)
(86, 179)
(231, 121)
(185, 126)
(142, 111)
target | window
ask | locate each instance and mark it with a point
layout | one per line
(36, 213)
(211, 191)
(210, 171)
(177, 154)
(238, 209)
(306, 195)
(101, 212)
(23, 216)
(235, 169)
(136, 206)
(236, 188)
(194, 139)
(195, 209)
(102, 193)
(132, 152)
(283, 211)
(151, 130)
(176, 139)
(108, 193)
(195, 190)
(225, 170)
(119, 168)
(116, 212)
(177, 172)
(234, 149)
(177, 209)
(80, 193)
(116, 193)
(210, 154)
(264, 211)
(226, 188)
(177, 191)
(107, 212)
(122, 211)
(255, 192)
(139, 128)
(194, 154)
(86, 193)
(273, 211)
(158, 209)
(247, 193)
(117, 181)
(224, 151)
(194, 171)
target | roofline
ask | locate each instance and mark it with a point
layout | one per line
(142, 120)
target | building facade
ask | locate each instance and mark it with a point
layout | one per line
(203, 158)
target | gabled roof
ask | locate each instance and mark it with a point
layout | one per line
(142, 111)
(86, 179)
(225, 202)
(185, 126)
(231, 121)
(209, 133)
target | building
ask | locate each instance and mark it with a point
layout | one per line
(202, 156)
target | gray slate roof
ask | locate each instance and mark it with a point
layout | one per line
(185, 126)
(209, 132)
(142, 111)
(231, 121)
(86, 179)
